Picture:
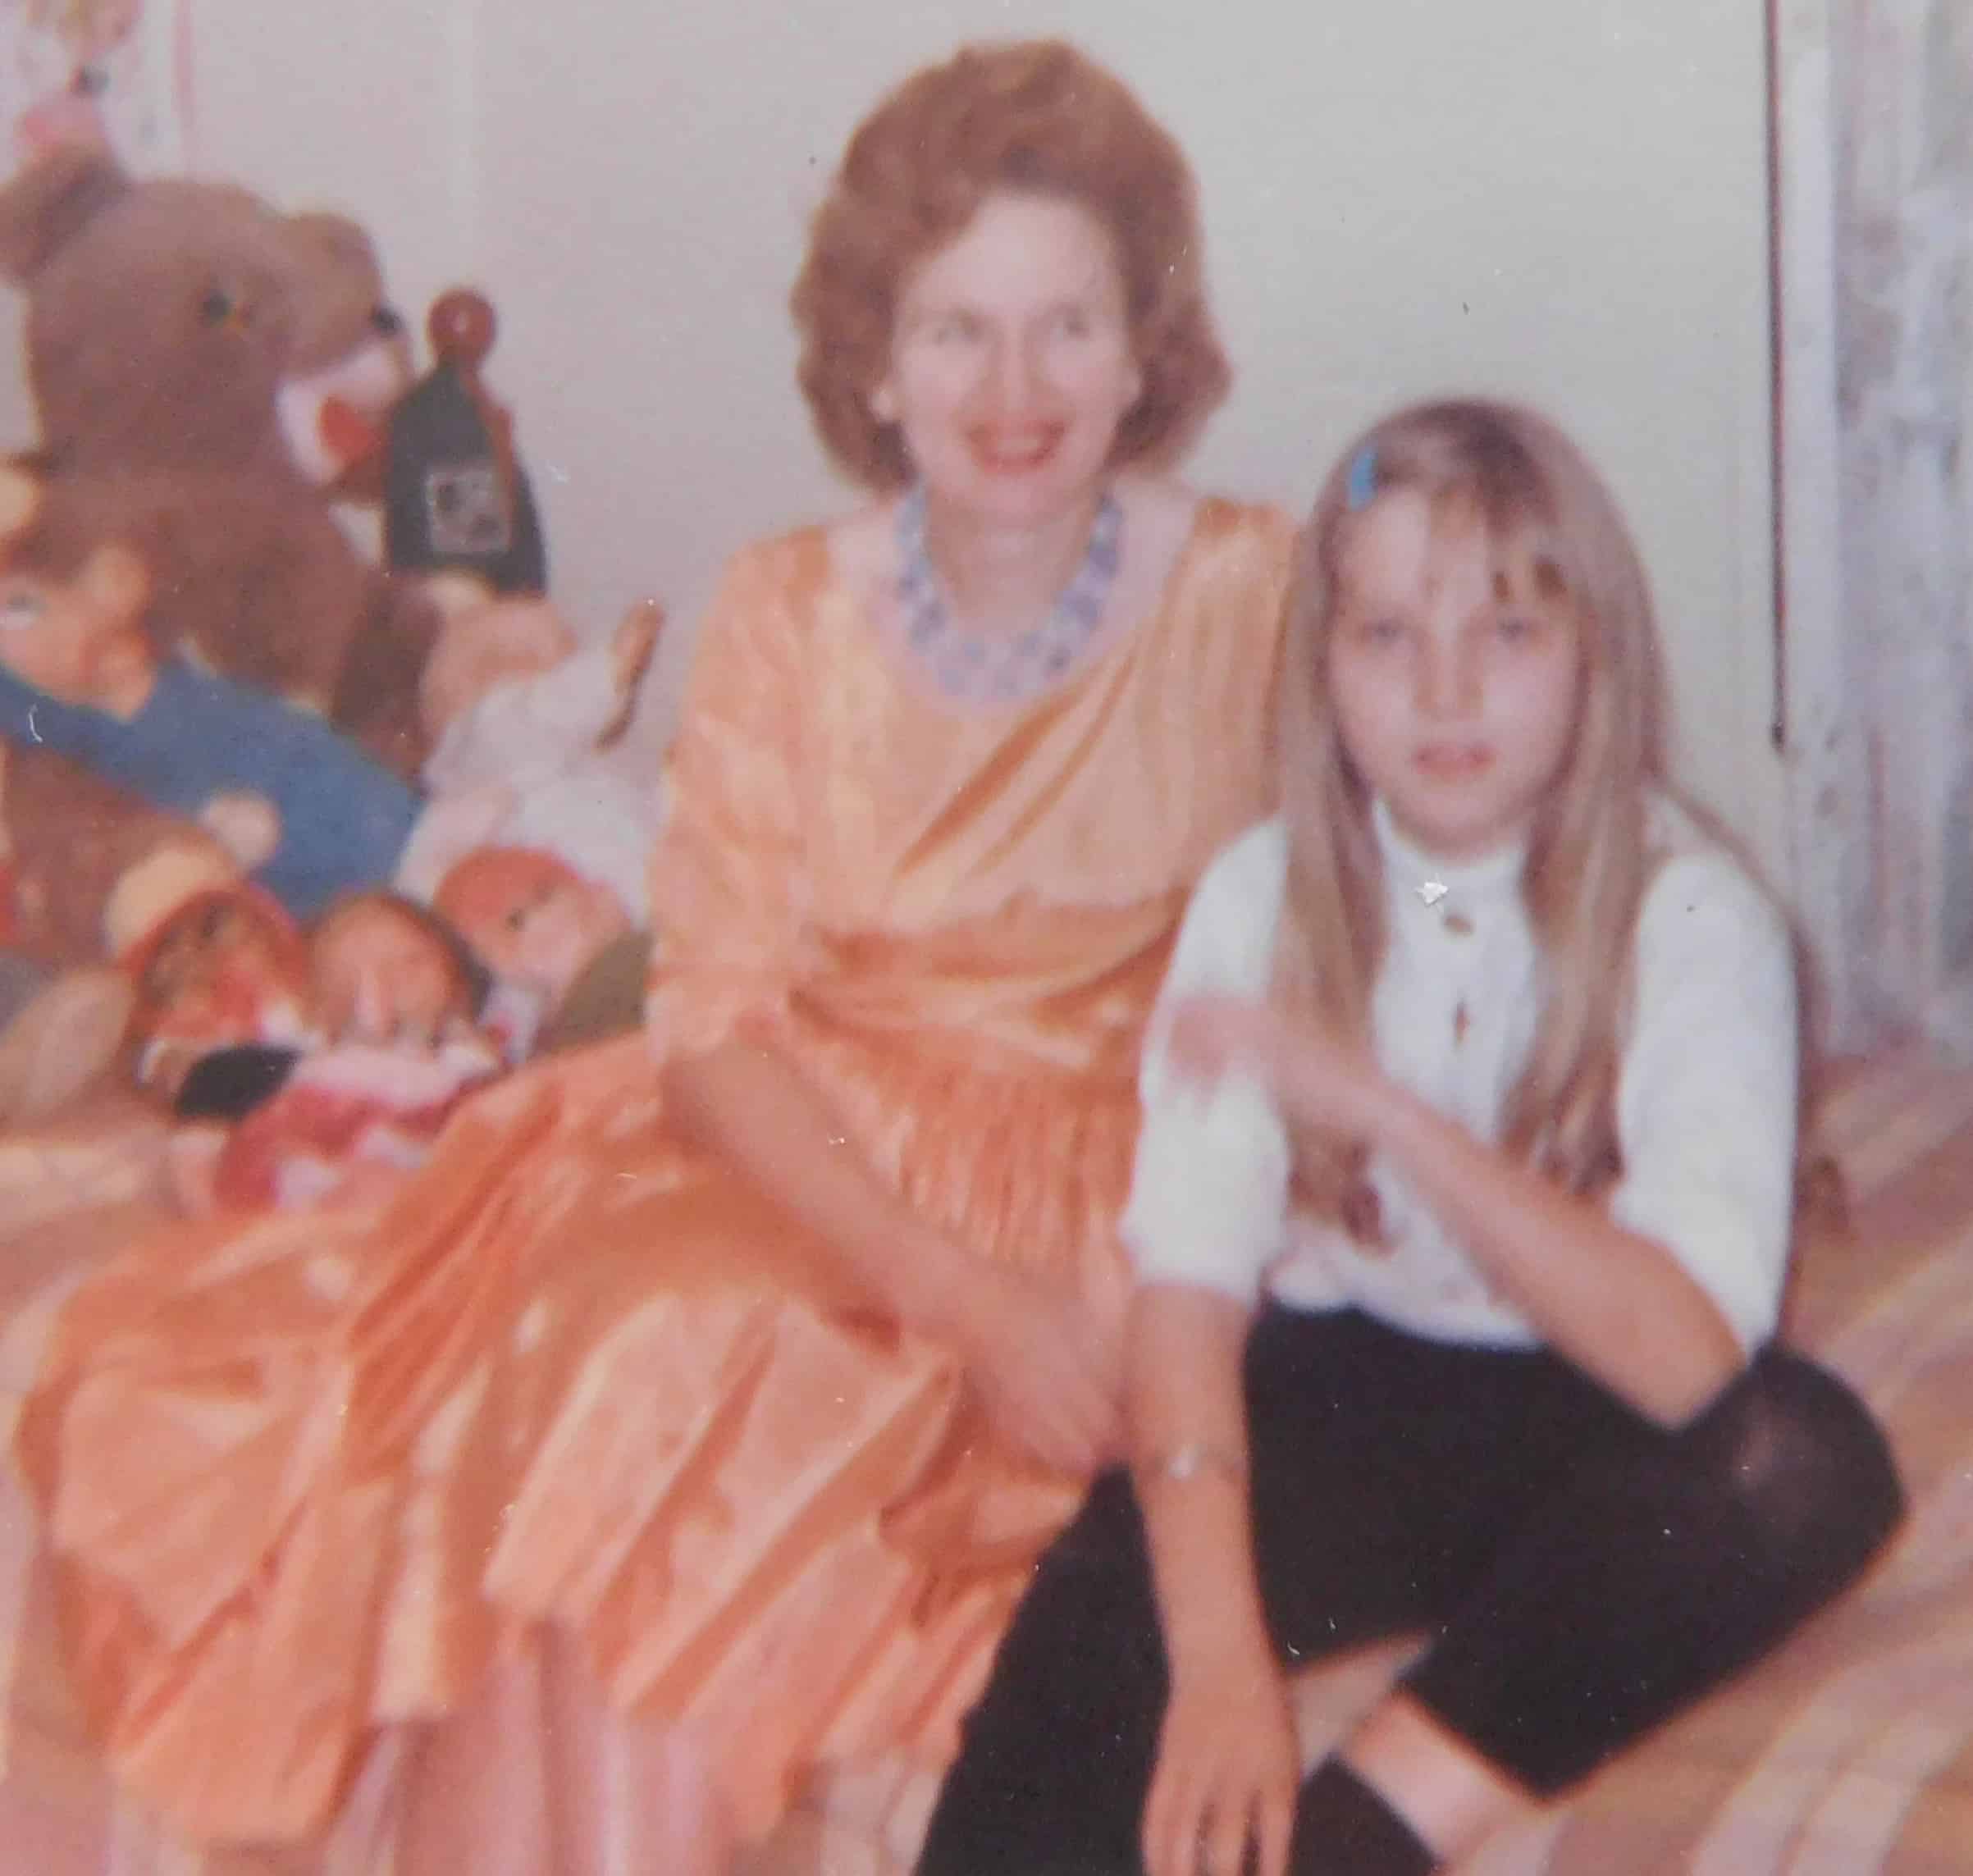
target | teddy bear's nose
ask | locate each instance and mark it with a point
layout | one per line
(386, 321)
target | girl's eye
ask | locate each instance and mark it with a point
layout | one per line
(1517, 628)
(1072, 322)
(1381, 633)
(954, 329)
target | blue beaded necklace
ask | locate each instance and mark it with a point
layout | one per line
(989, 670)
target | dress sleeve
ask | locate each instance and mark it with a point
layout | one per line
(1209, 1189)
(727, 882)
(1707, 1097)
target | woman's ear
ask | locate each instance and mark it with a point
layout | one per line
(19, 500)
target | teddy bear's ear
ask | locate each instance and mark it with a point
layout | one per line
(45, 208)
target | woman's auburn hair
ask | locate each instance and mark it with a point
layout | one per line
(1559, 542)
(1037, 117)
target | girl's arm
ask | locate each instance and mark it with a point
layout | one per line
(1228, 1761)
(1204, 1219)
(1036, 1352)
(1658, 1293)
(1618, 1304)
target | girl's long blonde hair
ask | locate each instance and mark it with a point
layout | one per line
(1553, 527)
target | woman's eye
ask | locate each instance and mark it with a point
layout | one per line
(18, 610)
(1381, 633)
(1073, 322)
(1515, 628)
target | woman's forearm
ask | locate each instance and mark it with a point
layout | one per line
(749, 1104)
(1186, 1412)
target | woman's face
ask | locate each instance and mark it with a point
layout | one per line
(1011, 362)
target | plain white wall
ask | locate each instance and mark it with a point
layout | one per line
(1559, 199)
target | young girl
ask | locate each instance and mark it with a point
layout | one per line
(1461, 1210)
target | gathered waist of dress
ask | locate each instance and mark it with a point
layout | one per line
(1003, 1011)
(1009, 1050)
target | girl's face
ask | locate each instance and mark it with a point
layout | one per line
(1011, 362)
(1455, 693)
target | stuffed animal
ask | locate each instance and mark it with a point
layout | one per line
(318, 815)
(206, 370)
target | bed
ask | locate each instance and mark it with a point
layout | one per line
(1849, 1754)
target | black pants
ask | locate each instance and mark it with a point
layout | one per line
(1582, 1573)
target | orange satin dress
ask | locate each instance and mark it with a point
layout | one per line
(302, 1474)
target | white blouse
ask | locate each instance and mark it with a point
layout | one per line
(1705, 1096)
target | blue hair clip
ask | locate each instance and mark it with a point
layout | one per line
(1362, 485)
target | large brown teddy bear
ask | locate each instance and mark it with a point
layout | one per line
(206, 370)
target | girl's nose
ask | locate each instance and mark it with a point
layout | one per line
(1447, 677)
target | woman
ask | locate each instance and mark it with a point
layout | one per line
(765, 1376)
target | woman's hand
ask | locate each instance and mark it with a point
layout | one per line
(1228, 1770)
(1323, 1082)
(1045, 1365)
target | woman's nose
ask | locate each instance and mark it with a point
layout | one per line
(1018, 377)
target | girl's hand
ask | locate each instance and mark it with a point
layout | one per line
(1046, 1366)
(1228, 1769)
(1324, 1084)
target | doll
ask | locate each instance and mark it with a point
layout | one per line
(568, 963)
(395, 995)
(518, 715)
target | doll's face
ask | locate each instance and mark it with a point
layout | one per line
(76, 639)
(380, 975)
(535, 922)
(225, 969)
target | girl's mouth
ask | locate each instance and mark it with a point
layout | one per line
(1452, 761)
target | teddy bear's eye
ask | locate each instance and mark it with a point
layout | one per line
(217, 307)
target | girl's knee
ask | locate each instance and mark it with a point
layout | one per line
(1805, 1464)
